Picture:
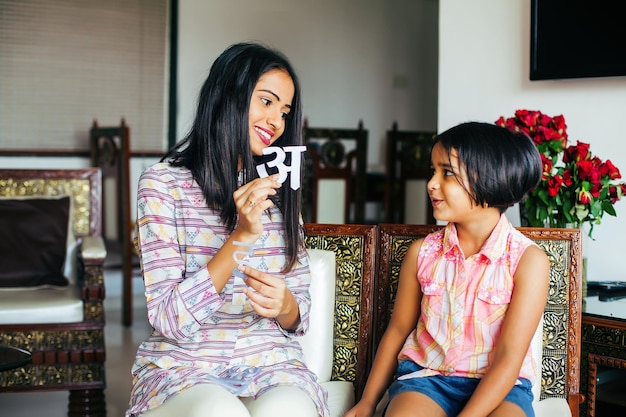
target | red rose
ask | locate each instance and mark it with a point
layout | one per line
(607, 168)
(596, 189)
(554, 184)
(568, 179)
(576, 153)
(584, 197)
(547, 167)
(613, 194)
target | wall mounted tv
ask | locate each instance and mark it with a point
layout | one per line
(577, 39)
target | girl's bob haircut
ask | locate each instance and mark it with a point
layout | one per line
(501, 166)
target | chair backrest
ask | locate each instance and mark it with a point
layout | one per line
(84, 186)
(335, 156)
(560, 369)
(110, 151)
(353, 247)
(407, 169)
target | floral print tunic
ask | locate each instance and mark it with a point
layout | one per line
(201, 335)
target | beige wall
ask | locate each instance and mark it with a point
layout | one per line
(374, 60)
(483, 73)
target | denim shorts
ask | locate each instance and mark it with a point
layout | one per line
(451, 393)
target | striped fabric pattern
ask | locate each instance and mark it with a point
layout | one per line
(200, 335)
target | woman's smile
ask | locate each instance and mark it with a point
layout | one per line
(265, 135)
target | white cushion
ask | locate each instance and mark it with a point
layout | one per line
(340, 397)
(42, 305)
(536, 347)
(317, 343)
(93, 247)
(50, 304)
(552, 407)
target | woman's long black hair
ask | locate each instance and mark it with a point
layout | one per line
(220, 136)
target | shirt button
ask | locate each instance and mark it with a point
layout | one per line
(450, 369)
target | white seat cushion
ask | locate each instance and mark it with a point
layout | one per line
(317, 343)
(41, 305)
(552, 407)
(340, 397)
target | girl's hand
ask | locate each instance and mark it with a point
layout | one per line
(251, 200)
(359, 410)
(270, 297)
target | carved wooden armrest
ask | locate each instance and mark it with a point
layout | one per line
(93, 254)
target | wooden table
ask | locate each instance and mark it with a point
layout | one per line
(603, 359)
(11, 357)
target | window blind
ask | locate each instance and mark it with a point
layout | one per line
(64, 63)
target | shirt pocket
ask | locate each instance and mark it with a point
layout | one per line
(493, 298)
(432, 293)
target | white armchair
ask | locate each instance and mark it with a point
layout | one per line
(52, 289)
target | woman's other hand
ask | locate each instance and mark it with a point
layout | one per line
(270, 297)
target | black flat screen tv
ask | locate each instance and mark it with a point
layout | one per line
(577, 39)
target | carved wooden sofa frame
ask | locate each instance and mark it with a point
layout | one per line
(368, 262)
(65, 356)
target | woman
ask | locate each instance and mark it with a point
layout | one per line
(222, 255)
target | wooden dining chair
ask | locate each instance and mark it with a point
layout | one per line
(110, 151)
(334, 181)
(407, 170)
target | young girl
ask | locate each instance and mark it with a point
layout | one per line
(222, 256)
(470, 296)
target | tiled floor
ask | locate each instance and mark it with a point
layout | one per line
(121, 344)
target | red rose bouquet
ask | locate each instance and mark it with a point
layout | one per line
(576, 187)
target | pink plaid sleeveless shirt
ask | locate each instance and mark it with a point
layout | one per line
(464, 303)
